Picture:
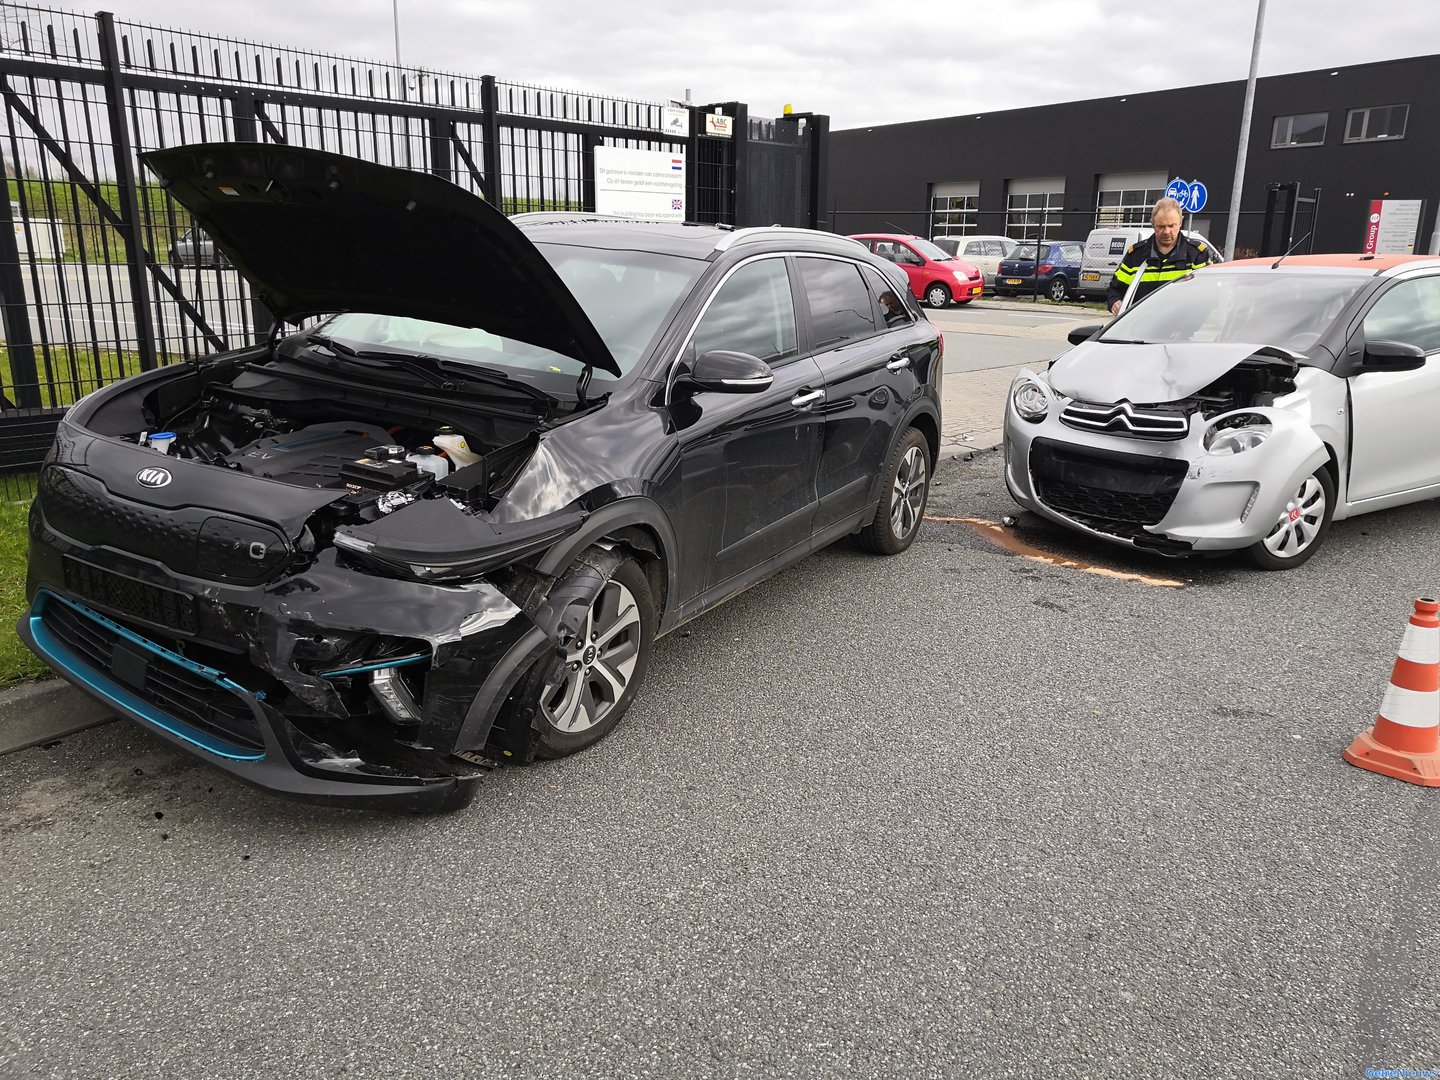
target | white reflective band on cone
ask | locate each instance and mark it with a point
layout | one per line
(1421, 645)
(1411, 708)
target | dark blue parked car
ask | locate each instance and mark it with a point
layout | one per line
(1055, 263)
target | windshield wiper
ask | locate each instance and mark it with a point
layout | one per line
(447, 375)
(1124, 341)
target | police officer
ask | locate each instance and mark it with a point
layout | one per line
(1163, 257)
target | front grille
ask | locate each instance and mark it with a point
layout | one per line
(164, 607)
(1122, 418)
(189, 540)
(199, 698)
(1112, 489)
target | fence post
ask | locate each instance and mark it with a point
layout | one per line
(490, 139)
(125, 189)
(438, 132)
(818, 129)
(24, 375)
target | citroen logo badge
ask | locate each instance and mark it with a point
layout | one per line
(153, 477)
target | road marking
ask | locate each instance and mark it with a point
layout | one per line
(995, 532)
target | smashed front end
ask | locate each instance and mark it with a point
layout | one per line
(1200, 454)
(296, 589)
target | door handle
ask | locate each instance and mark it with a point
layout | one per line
(899, 361)
(805, 398)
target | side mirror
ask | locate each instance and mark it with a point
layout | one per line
(726, 372)
(1392, 356)
(1084, 333)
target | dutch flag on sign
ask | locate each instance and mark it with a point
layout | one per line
(677, 164)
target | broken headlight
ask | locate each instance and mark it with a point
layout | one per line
(1030, 400)
(1236, 434)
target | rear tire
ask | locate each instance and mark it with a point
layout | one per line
(902, 505)
(1058, 289)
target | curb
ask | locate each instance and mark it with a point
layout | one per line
(39, 712)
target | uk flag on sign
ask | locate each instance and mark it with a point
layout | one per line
(677, 204)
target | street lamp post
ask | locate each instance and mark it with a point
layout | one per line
(1232, 227)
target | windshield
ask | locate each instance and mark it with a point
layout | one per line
(1259, 308)
(626, 294)
(1026, 252)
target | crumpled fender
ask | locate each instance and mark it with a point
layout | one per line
(1217, 488)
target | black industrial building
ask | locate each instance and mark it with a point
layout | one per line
(1341, 137)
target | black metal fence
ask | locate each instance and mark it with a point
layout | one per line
(100, 276)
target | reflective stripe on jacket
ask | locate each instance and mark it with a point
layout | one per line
(1155, 270)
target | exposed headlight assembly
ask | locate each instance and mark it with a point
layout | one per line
(1236, 434)
(1030, 399)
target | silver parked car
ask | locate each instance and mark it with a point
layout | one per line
(983, 252)
(1242, 407)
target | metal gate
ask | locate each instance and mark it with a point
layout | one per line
(102, 275)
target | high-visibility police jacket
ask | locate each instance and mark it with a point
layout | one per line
(1156, 269)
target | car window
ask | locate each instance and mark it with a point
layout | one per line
(752, 313)
(891, 299)
(840, 305)
(904, 255)
(1072, 253)
(1409, 312)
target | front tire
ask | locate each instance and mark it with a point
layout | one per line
(580, 692)
(897, 519)
(1301, 528)
(937, 295)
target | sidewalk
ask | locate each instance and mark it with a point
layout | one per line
(973, 402)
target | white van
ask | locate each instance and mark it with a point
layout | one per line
(1105, 247)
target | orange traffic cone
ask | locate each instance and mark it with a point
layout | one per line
(1405, 741)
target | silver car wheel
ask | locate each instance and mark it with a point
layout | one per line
(907, 496)
(598, 664)
(1301, 521)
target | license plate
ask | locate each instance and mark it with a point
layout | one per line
(1013, 281)
(1089, 277)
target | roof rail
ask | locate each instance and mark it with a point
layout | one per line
(754, 234)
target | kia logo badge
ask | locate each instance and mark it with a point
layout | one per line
(153, 478)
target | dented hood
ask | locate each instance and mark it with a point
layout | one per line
(1148, 373)
(317, 233)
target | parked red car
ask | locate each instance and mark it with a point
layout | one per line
(935, 277)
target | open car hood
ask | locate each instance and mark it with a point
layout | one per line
(1148, 374)
(316, 233)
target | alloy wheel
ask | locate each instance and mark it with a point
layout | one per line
(907, 495)
(599, 663)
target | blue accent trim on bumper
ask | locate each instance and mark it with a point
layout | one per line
(111, 691)
(401, 661)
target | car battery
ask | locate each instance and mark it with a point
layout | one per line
(378, 474)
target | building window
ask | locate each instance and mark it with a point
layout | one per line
(1375, 123)
(1034, 215)
(952, 208)
(1127, 206)
(1306, 129)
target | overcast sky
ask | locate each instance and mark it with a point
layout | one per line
(863, 63)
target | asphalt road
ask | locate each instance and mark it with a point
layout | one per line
(955, 813)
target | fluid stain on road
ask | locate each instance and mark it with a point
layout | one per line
(996, 533)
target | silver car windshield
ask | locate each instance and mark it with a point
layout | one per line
(626, 294)
(1261, 307)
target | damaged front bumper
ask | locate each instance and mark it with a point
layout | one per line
(1169, 496)
(331, 686)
